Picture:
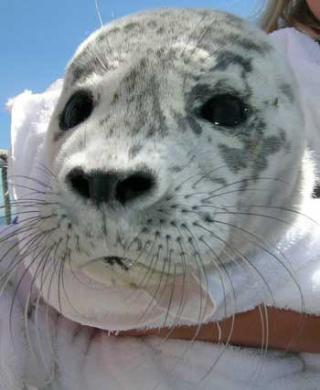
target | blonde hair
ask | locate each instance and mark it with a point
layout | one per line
(291, 13)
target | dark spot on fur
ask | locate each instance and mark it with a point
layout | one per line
(152, 24)
(227, 58)
(143, 64)
(160, 52)
(151, 131)
(249, 44)
(234, 21)
(107, 34)
(275, 102)
(203, 91)
(86, 68)
(176, 169)
(194, 125)
(219, 181)
(115, 98)
(132, 79)
(255, 152)
(287, 90)
(181, 121)
(103, 121)
(207, 218)
(134, 150)
(157, 112)
(132, 26)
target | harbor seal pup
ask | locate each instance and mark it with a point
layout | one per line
(176, 147)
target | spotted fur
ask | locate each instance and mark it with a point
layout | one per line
(215, 187)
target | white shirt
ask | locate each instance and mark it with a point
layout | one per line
(303, 55)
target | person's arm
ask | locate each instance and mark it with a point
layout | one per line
(287, 330)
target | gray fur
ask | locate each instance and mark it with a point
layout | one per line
(153, 72)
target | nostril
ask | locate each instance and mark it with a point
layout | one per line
(134, 186)
(109, 187)
(79, 182)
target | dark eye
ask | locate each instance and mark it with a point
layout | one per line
(224, 110)
(77, 110)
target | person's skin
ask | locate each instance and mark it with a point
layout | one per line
(287, 331)
(314, 6)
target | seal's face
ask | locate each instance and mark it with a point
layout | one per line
(176, 140)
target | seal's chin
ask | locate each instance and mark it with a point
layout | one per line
(118, 271)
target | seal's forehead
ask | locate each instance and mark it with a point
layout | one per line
(147, 32)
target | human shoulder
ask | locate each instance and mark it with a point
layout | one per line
(284, 37)
(296, 43)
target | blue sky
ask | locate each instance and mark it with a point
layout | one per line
(38, 37)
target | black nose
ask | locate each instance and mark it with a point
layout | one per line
(108, 187)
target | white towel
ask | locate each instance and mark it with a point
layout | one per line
(303, 54)
(79, 358)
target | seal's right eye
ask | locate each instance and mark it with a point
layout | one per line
(77, 109)
(225, 110)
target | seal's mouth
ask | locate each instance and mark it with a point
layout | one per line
(110, 261)
(122, 262)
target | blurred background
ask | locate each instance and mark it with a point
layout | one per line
(38, 37)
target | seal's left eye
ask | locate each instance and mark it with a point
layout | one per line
(224, 110)
(77, 110)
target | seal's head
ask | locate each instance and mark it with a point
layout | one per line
(176, 145)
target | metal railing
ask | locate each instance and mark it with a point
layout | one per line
(5, 187)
